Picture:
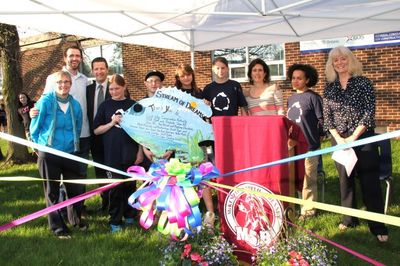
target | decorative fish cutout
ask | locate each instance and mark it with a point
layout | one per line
(170, 120)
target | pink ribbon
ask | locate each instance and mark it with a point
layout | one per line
(57, 206)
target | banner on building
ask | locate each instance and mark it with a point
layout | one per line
(353, 41)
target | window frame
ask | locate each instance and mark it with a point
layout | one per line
(100, 54)
(245, 64)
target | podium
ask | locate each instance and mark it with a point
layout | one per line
(247, 141)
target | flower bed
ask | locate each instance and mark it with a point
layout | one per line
(299, 249)
(206, 247)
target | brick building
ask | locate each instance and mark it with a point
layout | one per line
(381, 65)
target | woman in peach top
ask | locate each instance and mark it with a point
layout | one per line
(262, 97)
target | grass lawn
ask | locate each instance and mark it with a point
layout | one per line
(33, 244)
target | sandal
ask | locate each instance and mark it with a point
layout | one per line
(306, 216)
(382, 238)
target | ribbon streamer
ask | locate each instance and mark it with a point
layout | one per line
(197, 177)
(55, 207)
(164, 226)
(378, 217)
(356, 143)
(72, 181)
(59, 153)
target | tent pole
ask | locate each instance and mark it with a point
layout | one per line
(192, 58)
(192, 48)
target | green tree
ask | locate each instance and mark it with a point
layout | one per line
(12, 86)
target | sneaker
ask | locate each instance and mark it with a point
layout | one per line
(129, 221)
(209, 219)
(115, 228)
(61, 234)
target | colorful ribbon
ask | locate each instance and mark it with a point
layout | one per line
(171, 192)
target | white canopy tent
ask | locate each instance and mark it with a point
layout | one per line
(199, 25)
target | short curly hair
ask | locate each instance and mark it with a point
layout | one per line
(309, 71)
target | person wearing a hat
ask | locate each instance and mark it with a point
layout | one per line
(153, 81)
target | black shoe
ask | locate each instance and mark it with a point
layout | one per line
(104, 208)
(82, 226)
(84, 211)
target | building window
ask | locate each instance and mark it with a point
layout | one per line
(111, 52)
(239, 59)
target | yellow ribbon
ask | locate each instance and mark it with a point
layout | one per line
(372, 216)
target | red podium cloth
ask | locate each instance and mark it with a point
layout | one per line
(246, 141)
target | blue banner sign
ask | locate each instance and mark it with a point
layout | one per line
(170, 120)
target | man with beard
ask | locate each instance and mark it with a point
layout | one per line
(72, 60)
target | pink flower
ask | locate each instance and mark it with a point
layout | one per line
(292, 254)
(303, 262)
(295, 255)
(196, 257)
(204, 263)
(186, 251)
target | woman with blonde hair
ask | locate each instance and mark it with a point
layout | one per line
(120, 151)
(349, 115)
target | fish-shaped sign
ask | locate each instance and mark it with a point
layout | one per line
(170, 120)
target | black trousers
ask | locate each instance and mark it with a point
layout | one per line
(51, 167)
(97, 151)
(119, 207)
(367, 171)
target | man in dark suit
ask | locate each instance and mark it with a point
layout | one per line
(96, 93)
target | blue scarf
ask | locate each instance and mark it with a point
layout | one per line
(53, 121)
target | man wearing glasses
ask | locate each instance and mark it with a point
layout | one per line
(153, 81)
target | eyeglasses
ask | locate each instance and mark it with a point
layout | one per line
(66, 82)
(153, 81)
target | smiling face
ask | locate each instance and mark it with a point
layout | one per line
(63, 85)
(100, 71)
(23, 99)
(186, 80)
(299, 80)
(72, 59)
(341, 64)
(258, 74)
(152, 83)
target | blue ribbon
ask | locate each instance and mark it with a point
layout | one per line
(356, 143)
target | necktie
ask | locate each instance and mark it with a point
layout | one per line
(100, 96)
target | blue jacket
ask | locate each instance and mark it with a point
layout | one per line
(40, 127)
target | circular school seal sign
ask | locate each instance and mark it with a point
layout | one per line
(253, 219)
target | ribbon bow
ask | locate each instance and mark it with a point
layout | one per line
(171, 191)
